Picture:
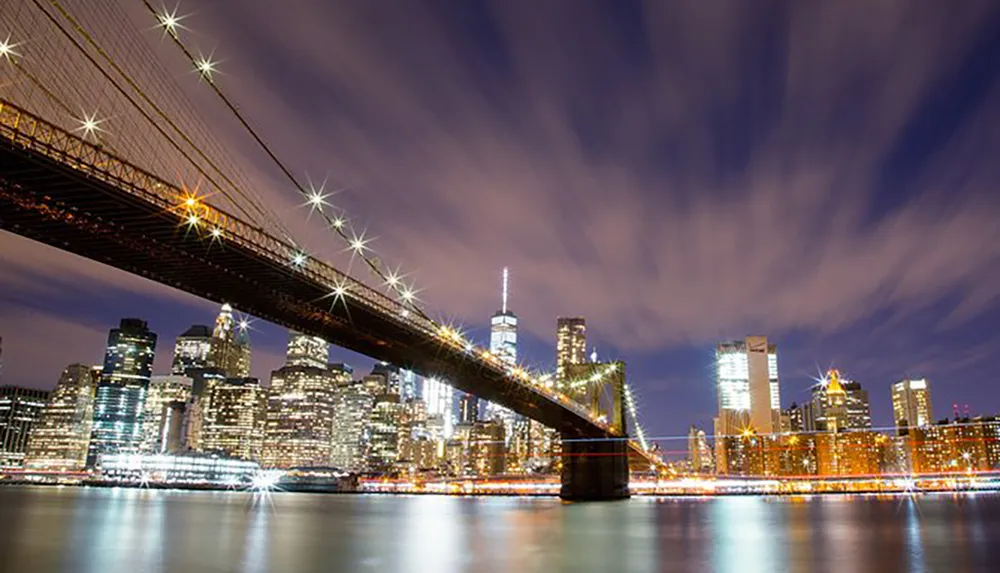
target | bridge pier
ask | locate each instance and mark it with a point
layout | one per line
(594, 470)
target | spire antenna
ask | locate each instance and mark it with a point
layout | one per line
(504, 294)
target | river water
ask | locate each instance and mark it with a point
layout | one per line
(82, 530)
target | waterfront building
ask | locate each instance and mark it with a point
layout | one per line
(179, 469)
(911, 404)
(230, 346)
(439, 400)
(120, 399)
(352, 416)
(487, 451)
(747, 381)
(164, 419)
(855, 453)
(59, 440)
(956, 446)
(192, 350)
(233, 418)
(20, 412)
(300, 406)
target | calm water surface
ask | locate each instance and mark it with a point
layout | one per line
(70, 530)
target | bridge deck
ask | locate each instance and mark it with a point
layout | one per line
(62, 191)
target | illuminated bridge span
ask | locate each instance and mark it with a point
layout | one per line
(67, 181)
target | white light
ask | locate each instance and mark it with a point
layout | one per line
(299, 259)
(316, 197)
(206, 67)
(7, 49)
(193, 220)
(359, 243)
(170, 21)
(338, 223)
(90, 125)
(216, 233)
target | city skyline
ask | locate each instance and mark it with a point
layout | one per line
(893, 273)
(302, 350)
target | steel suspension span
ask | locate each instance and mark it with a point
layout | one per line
(59, 189)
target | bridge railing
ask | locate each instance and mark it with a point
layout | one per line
(32, 132)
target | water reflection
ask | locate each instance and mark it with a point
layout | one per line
(69, 530)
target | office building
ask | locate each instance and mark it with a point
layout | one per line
(384, 432)
(747, 376)
(120, 399)
(59, 440)
(164, 420)
(230, 345)
(192, 350)
(352, 415)
(468, 409)
(911, 404)
(233, 418)
(300, 406)
(859, 415)
(20, 412)
(571, 346)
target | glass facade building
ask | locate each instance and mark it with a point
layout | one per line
(120, 399)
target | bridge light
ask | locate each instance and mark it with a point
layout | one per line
(7, 49)
(90, 125)
(299, 259)
(205, 67)
(193, 220)
(316, 198)
(170, 21)
(338, 223)
(216, 233)
(359, 243)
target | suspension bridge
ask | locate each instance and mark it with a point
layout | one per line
(103, 154)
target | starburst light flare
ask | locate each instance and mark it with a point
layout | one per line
(90, 125)
(205, 67)
(170, 21)
(7, 49)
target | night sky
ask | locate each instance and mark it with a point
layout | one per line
(679, 173)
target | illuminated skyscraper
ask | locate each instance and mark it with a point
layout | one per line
(747, 375)
(192, 350)
(20, 411)
(161, 411)
(503, 344)
(230, 346)
(120, 400)
(233, 418)
(59, 440)
(352, 416)
(503, 328)
(300, 406)
(571, 346)
(911, 403)
(859, 416)
(439, 399)
(384, 433)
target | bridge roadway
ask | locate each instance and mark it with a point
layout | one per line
(58, 189)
